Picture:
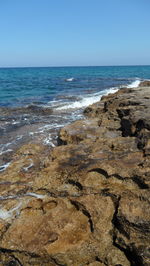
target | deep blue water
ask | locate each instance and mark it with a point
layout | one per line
(22, 86)
(64, 91)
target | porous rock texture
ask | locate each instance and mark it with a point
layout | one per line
(86, 202)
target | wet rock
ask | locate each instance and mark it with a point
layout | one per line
(11, 112)
(38, 110)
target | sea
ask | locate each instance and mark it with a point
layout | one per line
(35, 103)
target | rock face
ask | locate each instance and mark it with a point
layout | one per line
(145, 83)
(86, 202)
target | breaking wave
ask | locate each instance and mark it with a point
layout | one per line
(134, 84)
(70, 79)
(88, 100)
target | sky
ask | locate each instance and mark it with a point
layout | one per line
(74, 32)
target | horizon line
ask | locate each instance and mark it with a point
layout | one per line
(67, 66)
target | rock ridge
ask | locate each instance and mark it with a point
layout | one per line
(86, 201)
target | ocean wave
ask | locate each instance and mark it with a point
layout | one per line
(88, 100)
(70, 79)
(134, 84)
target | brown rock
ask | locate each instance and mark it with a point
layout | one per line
(145, 83)
(133, 223)
(85, 202)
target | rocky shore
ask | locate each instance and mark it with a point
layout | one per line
(87, 201)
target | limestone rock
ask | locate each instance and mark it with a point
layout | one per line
(86, 202)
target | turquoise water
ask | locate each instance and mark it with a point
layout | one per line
(36, 102)
(22, 86)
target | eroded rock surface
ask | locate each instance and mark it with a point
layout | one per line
(86, 202)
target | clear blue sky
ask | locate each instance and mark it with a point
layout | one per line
(74, 32)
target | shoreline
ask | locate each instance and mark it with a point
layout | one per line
(87, 201)
(41, 124)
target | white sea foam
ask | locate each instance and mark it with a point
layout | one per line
(6, 145)
(88, 100)
(48, 127)
(4, 214)
(31, 194)
(15, 122)
(80, 104)
(4, 148)
(4, 166)
(134, 84)
(19, 137)
(70, 79)
(29, 166)
(48, 141)
(35, 195)
(8, 197)
(3, 152)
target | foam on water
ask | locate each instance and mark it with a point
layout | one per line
(5, 151)
(70, 79)
(88, 100)
(134, 84)
(80, 104)
(4, 166)
(48, 141)
(35, 195)
(29, 166)
(4, 214)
